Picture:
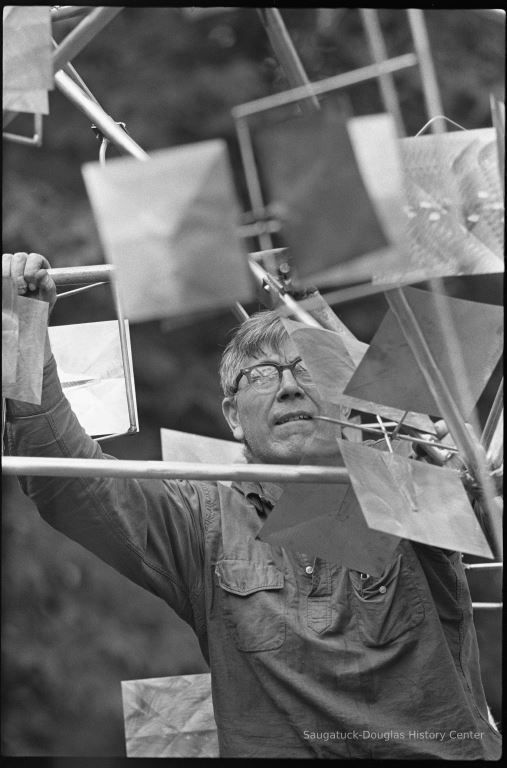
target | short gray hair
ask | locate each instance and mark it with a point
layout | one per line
(260, 333)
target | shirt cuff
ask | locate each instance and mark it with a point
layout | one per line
(52, 394)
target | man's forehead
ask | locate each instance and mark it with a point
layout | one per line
(282, 353)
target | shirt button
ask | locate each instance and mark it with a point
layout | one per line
(382, 590)
(309, 569)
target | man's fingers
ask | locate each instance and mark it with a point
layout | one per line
(440, 428)
(6, 264)
(35, 270)
(18, 263)
(29, 271)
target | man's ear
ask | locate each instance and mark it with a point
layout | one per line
(230, 411)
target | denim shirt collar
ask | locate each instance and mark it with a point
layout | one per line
(267, 493)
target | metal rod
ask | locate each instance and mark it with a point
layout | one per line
(79, 37)
(252, 178)
(491, 606)
(354, 292)
(110, 129)
(378, 51)
(82, 274)
(4, 421)
(322, 86)
(287, 55)
(428, 77)
(35, 140)
(377, 431)
(493, 417)
(259, 228)
(78, 290)
(264, 277)
(495, 450)
(481, 566)
(471, 450)
(52, 467)
(444, 322)
(127, 370)
(498, 119)
(69, 69)
(239, 311)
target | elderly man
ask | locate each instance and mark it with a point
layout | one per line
(307, 658)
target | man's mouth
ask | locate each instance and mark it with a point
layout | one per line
(293, 417)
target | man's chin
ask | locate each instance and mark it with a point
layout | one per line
(300, 452)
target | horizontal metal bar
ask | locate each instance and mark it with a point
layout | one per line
(109, 128)
(182, 470)
(259, 228)
(35, 140)
(360, 291)
(476, 566)
(322, 86)
(79, 37)
(491, 606)
(82, 275)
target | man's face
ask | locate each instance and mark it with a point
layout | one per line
(277, 425)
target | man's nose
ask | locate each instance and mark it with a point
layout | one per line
(289, 386)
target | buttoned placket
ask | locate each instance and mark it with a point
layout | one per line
(318, 596)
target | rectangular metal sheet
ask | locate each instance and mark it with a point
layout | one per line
(169, 717)
(170, 227)
(413, 500)
(389, 374)
(93, 377)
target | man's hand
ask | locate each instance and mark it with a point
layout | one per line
(29, 272)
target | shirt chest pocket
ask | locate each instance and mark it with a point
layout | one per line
(253, 604)
(387, 606)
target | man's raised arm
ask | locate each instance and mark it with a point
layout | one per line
(150, 531)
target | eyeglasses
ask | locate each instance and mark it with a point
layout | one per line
(266, 377)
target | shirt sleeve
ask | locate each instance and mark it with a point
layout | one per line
(149, 530)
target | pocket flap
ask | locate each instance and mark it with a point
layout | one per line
(242, 577)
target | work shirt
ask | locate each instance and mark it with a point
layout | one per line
(307, 658)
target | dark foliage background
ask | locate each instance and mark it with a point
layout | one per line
(72, 628)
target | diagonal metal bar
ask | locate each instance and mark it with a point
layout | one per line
(378, 51)
(498, 119)
(109, 128)
(430, 88)
(493, 418)
(264, 278)
(71, 72)
(473, 453)
(52, 467)
(286, 54)
(79, 37)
